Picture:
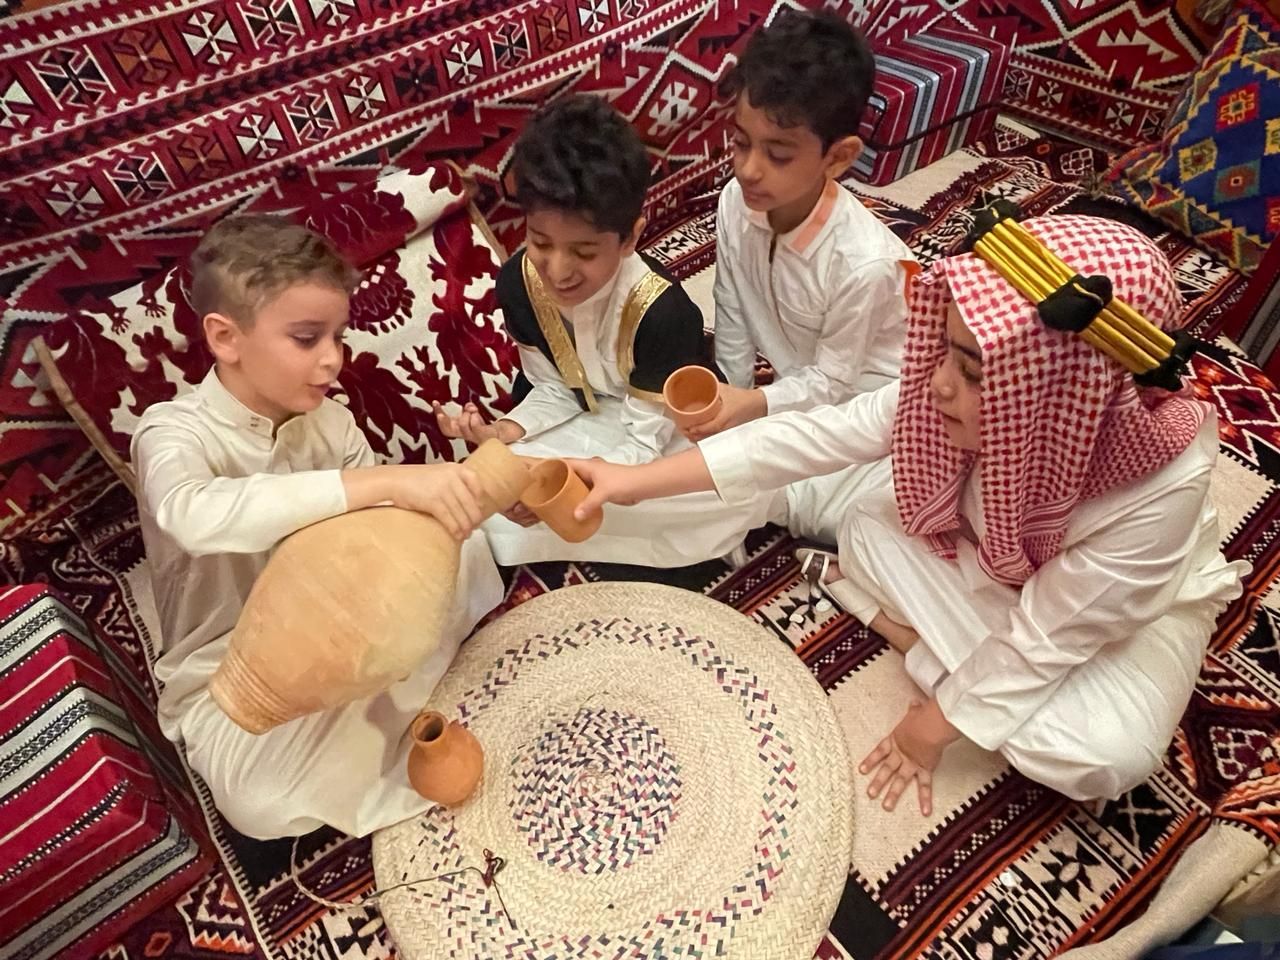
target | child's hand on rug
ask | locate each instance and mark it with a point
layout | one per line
(738, 405)
(470, 426)
(911, 751)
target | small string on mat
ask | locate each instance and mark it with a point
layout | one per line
(493, 865)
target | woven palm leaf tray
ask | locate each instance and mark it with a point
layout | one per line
(663, 779)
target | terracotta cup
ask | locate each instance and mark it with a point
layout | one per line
(692, 395)
(553, 493)
(446, 760)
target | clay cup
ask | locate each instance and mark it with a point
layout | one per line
(692, 395)
(553, 493)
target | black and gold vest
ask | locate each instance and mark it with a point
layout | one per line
(659, 332)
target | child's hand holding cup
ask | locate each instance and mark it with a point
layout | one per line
(554, 493)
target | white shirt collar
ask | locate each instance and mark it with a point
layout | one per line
(595, 303)
(803, 239)
(227, 408)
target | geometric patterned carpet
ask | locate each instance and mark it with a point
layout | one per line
(1006, 868)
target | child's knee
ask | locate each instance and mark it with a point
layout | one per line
(254, 788)
(1108, 757)
(261, 817)
(1121, 759)
(259, 803)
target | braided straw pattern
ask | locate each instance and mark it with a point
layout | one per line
(662, 777)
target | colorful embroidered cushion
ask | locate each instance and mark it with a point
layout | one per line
(935, 92)
(424, 321)
(1215, 176)
(1103, 72)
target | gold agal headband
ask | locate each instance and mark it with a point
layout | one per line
(1081, 305)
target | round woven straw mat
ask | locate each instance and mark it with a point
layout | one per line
(663, 778)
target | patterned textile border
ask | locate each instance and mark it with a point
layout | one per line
(1104, 72)
(123, 115)
(1016, 873)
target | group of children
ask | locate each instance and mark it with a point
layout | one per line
(1027, 522)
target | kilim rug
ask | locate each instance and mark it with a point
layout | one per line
(1007, 869)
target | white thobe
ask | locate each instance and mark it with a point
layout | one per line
(1079, 676)
(625, 428)
(217, 491)
(825, 303)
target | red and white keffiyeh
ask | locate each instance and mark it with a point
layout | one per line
(1061, 423)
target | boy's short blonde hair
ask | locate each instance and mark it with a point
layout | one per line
(244, 261)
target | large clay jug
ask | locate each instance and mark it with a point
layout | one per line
(348, 606)
(445, 761)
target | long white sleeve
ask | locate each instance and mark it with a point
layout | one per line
(860, 343)
(774, 451)
(735, 348)
(550, 403)
(206, 514)
(1096, 592)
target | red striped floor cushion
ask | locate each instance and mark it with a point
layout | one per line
(92, 836)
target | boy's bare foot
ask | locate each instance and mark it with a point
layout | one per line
(901, 637)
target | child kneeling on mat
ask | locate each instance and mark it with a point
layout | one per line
(1042, 546)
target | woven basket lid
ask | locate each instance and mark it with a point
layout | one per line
(663, 778)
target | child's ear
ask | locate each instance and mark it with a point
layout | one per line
(842, 155)
(630, 242)
(222, 334)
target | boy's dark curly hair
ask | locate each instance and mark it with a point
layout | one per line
(807, 69)
(579, 155)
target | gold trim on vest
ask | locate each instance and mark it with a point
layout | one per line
(552, 326)
(642, 296)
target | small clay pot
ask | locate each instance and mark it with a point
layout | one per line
(553, 493)
(446, 760)
(692, 395)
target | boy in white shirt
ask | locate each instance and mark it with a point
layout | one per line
(225, 472)
(599, 327)
(805, 275)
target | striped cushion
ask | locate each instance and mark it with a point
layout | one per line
(89, 839)
(935, 92)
